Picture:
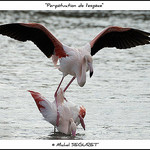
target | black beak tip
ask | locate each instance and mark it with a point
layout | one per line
(91, 73)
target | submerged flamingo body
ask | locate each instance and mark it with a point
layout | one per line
(71, 115)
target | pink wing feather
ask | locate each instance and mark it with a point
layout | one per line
(38, 98)
(36, 33)
(47, 109)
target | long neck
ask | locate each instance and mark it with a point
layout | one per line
(81, 77)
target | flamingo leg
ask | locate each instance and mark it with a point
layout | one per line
(57, 121)
(58, 87)
(69, 84)
(54, 129)
(55, 95)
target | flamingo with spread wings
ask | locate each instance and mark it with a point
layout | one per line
(75, 62)
(70, 114)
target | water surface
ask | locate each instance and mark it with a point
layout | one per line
(116, 98)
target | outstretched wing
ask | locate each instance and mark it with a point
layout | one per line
(47, 109)
(36, 33)
(120, 38)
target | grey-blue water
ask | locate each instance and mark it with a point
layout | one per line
(116, 98)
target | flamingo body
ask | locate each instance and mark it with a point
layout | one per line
(72, 64)
(67, 111)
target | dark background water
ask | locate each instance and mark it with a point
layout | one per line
(117, 97)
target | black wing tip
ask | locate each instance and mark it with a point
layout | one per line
(26, 32)
(10, 24)
(145, 33)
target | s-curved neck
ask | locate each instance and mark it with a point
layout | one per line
(81, 77)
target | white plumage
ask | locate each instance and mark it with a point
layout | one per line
(70, 114)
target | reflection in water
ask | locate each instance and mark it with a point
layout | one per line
(116, 97)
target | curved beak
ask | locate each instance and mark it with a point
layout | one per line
(91, 69)
(82, 122)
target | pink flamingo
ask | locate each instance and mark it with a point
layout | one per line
(70, 117)
(75, 62)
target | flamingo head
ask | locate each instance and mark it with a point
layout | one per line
(89, 62)
(81, 116)
(73, 127)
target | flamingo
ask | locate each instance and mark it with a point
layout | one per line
(73, 61)
(71, 115)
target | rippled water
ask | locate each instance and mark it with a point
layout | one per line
(117, 97)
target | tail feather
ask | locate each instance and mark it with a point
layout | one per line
(47, 109)
(38, 98)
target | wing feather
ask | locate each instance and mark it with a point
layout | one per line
(120, 38)
(36, 33)
(47, 109)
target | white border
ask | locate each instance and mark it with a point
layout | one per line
(48, 144)
(66, 5)
(67, 144)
